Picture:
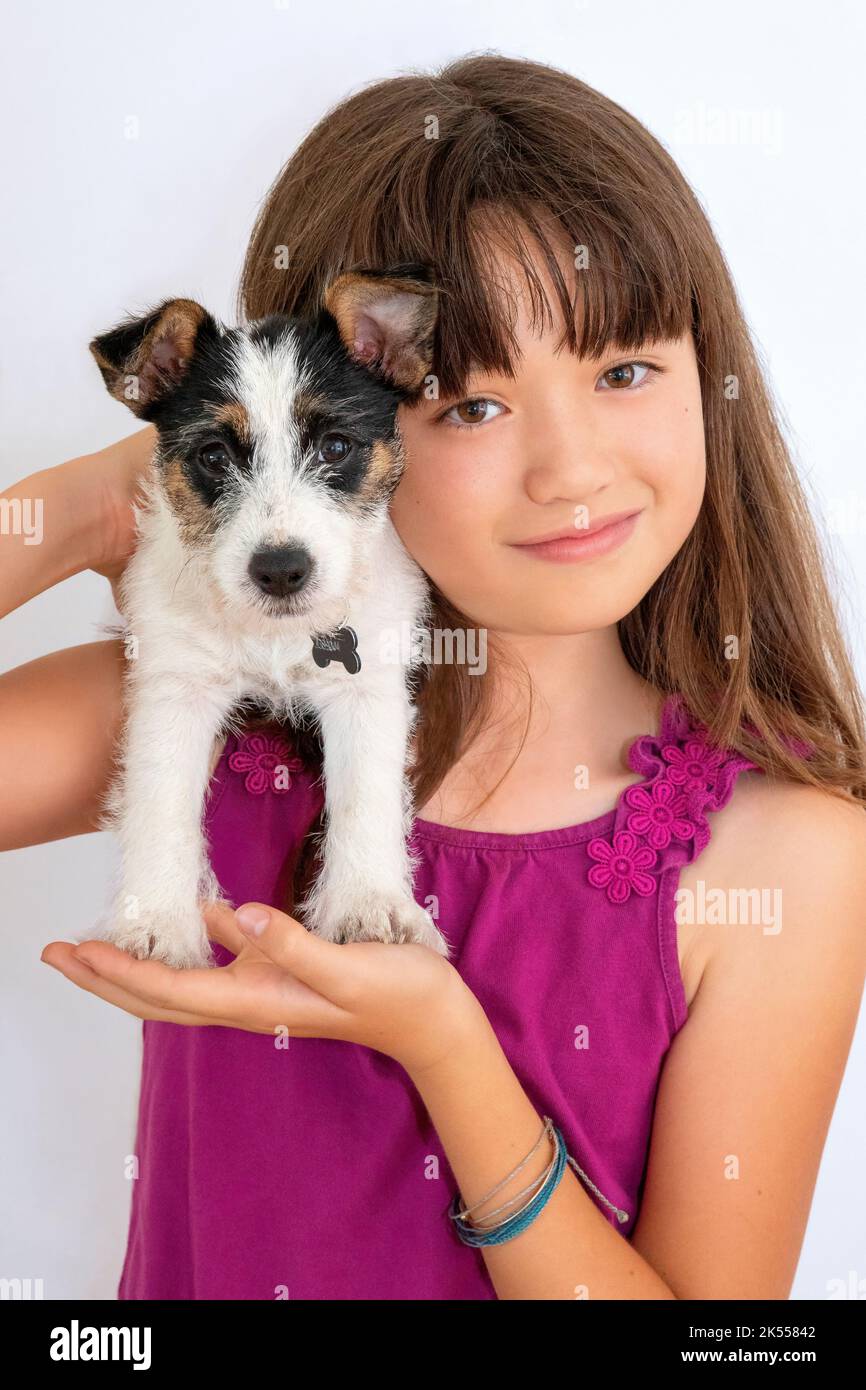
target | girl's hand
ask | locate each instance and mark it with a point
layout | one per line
(111, 478)
(85, 509)
(405, 1001)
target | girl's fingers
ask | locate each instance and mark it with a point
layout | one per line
(283, 977)
(258, 999)
(206, 993)
(82, 975)
(323, 965)
(222, 927)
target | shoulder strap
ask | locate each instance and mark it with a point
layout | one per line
(687, 774)
(664, 818)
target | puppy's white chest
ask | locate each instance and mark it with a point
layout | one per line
(279, 666)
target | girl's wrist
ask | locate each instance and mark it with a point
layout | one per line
(81, 514)
(458, 1027)
(70, 536)
(50, 535)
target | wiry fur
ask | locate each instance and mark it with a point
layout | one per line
(207, 639)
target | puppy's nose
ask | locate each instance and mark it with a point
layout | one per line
(280, 570)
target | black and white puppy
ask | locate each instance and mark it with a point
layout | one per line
(267, 569)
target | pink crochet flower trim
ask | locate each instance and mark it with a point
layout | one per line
(622, 866)
(686, 776)
(262, 757)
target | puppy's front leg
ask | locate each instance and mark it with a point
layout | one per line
(364, 890)
(156, 807)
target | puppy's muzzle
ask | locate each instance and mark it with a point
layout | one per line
(280, 571)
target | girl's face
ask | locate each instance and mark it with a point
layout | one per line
(561, 446)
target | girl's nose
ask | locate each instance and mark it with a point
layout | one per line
(566, 458)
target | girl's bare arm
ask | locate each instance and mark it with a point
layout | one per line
(60, 714)
(745, 1098)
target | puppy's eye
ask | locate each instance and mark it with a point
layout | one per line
(214, 458)
(334, 448)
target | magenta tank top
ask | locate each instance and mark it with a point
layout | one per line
(312, 1171)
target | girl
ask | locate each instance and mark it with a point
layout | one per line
(639, 819)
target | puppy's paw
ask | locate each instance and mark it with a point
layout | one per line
(179, 939)
(375, 916)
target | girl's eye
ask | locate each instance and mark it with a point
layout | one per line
(622, 377)
(471, 413)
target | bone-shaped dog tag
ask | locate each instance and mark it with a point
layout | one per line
(341, 645)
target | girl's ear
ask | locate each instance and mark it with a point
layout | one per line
(143, 360)
(386, 321)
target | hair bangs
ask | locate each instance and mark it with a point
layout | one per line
(605, 295)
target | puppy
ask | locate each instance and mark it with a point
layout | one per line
(267, 569)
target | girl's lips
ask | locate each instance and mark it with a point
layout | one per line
(583, 547)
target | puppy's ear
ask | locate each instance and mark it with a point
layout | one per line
(386, 320)
(143, 360)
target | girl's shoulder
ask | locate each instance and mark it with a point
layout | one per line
(782, 830)
(781, 883)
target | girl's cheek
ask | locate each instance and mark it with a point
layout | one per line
(448, 490)
(438, 520)
(671, 450)
(679, 484)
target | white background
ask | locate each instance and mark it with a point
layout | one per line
(98, 224)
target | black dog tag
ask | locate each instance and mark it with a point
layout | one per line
(341, 645)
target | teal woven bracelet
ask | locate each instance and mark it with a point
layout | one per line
(507, 1230)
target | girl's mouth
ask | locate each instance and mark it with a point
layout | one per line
(584, 546)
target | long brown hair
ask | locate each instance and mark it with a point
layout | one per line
(421, 168)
